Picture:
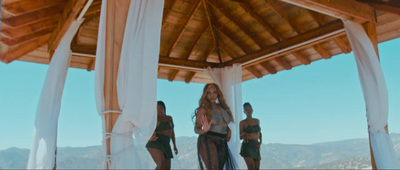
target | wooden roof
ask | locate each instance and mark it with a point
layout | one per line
(265, 36)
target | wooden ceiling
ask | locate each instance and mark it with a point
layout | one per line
(265, 36)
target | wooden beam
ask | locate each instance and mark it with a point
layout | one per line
(345, 49)
(304, 60)
(167, 10)
(326, 31)
(13, 33)
(348, 9)
(282, 12)
(370, 29)
(181, 29)
(197, 39)
(247, 7)
(70, 13)
(322, 51)
(254, 71)
(16, 41)
(84, 49)
(213, 31)
(30, 18)
(271, 69)
(318, 17)
(189, 77)
(221, 7)
(172, 75)
(91, 65)
(185, 63)
(231, 36)
(392, 6)
(281, 61)
(22, 7)
(23, 49)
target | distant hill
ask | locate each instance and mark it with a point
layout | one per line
(347, 154)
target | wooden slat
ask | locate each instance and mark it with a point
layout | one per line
(197, 39)
(282, 12)
(210, 19)
(347, 9)
(322, 52)
(23, 49)
(167, 10)
(189, 77)
(222, 28)
(286, 65)
(181, 29)
(220, 7)
(254, 71)
(26, 6)
(345, 49)
(301, 58)
(70, 13)
(335, 27)
(29, 18)
(16, 41)
(246, 6)
(269, 67)
(172, 75)
(13, 33)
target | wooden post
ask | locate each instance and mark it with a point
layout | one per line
(117, 11)
(370, 28)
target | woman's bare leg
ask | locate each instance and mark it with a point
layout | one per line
(249, 162)
(167, 164)
(158, 157)
(256, 164)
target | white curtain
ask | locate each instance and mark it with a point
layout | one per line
(136, 81)
(229, 79)
(44, 144)
(375, 95)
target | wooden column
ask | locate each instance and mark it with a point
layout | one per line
(117, 11)
(370, 29)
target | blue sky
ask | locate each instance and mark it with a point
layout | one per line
(308, 104)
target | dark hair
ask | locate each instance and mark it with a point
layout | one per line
(246, 104)
(163, 105)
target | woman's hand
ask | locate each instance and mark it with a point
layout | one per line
(228, 135)
(258, 146)
(153, 138)
(175, 150)
(206, 125)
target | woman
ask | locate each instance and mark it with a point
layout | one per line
(212, 118)
(250, 132)
(158, 145)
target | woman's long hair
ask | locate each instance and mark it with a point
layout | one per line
(206, 104)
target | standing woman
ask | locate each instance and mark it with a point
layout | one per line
(250, 132)
(158, 145)
(212, 118)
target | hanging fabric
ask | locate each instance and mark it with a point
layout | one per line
(42, 153)
(229, 79)
(375, 95)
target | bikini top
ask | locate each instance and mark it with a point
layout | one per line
(252, 129)
(165, 126)
(218, 118)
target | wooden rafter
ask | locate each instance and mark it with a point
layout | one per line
(229, 51)
(172, 75)
(317, 17)
(271, 69)
(392, 6)
(312, 36)
(208, 53)
(304, 60)
(322, 51)
(220, 7)
(23, 49)
(70, 13)
(197, 39)
(228, 33)
(246, 6)
(19, 40)
(254, 71)
(91, 65)
(180, 31)
(13, 33)
(167, 10)
(348, 9)
(185, 63)
(22, 7)
(189, 77)
(210, 18)
(285, 64)
(282, 12)
(338, 41)
(30, 18)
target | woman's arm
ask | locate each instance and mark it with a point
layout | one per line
(173, 139)
(229, 134)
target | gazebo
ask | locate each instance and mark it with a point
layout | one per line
(131, 43)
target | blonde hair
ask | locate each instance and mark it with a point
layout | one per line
(206, 104)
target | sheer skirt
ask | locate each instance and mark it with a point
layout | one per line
(213, 152)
